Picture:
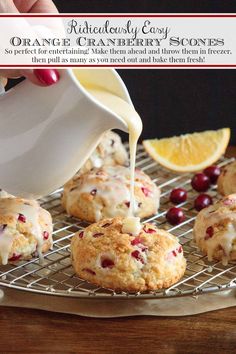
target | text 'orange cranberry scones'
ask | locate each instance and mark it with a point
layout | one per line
(110, 151)
(227, 179)
(122, 254)
(105, 192)
(25, 229)
(215, 230)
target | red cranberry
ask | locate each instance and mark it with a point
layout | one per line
(174, 253)
(213, 173)
(145, 191)
(137, 240)
(98, 234)
(209, 232)
(180, 249)
(90, 271)
(200, 182)
(15, 257)
(175, 216)
(21, 218)
(81, 234)
(45, 235)
(148, 230)
(202, 201)
(127, 204)
(107, 263)
(178, 195)
(93, 192)
(136, 254)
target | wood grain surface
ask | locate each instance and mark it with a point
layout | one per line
(35, 331)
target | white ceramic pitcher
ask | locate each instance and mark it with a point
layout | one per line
(47, 133)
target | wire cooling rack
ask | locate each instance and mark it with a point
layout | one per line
(56, 276)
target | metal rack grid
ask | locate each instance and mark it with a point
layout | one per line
(55, 274)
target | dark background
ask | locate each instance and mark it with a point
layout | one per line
(173, 102)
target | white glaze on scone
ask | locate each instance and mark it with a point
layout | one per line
(104, 255)
(110, 151)
(4, 194)
(105, 192)
(227, 179)
(215, 230)
(25, 228)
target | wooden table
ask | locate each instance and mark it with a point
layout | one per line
(34, 331)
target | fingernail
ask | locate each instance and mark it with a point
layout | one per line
(47, 77)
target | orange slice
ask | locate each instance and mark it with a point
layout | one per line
(189, 152)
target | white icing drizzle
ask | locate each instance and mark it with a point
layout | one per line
(11, 206)
(4, 194)
(211, 216)
(132, 225)
(112, 187)
(127, 112)
(6, 239)
(224, 239)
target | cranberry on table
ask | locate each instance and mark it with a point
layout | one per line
(175, 216)
(178, 195)
(202, 201)
(213, 173)
(200, 182)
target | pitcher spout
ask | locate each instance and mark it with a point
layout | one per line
(46, 134)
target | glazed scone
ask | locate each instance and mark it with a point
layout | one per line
(109, 255)
(25, 229)
(4, 194)
(227, 179)
(215, 230)
(110, 151)
(105, 192)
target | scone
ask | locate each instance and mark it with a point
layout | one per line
(111, 255)
(25, 229)
(105, 192)
(215, 230)
(110, 151)
(4, 194)
(227, 179)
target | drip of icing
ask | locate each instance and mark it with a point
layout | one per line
(131, 225)
(96, 160)
(133, 121)
(6, 239)
(224, 238)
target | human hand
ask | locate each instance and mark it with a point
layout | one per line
(41, 77)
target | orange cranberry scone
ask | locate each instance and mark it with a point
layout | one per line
(227, 179)
(115, 254)
(25, 229)
(215, 230)
(110, 151)
(105, 192)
